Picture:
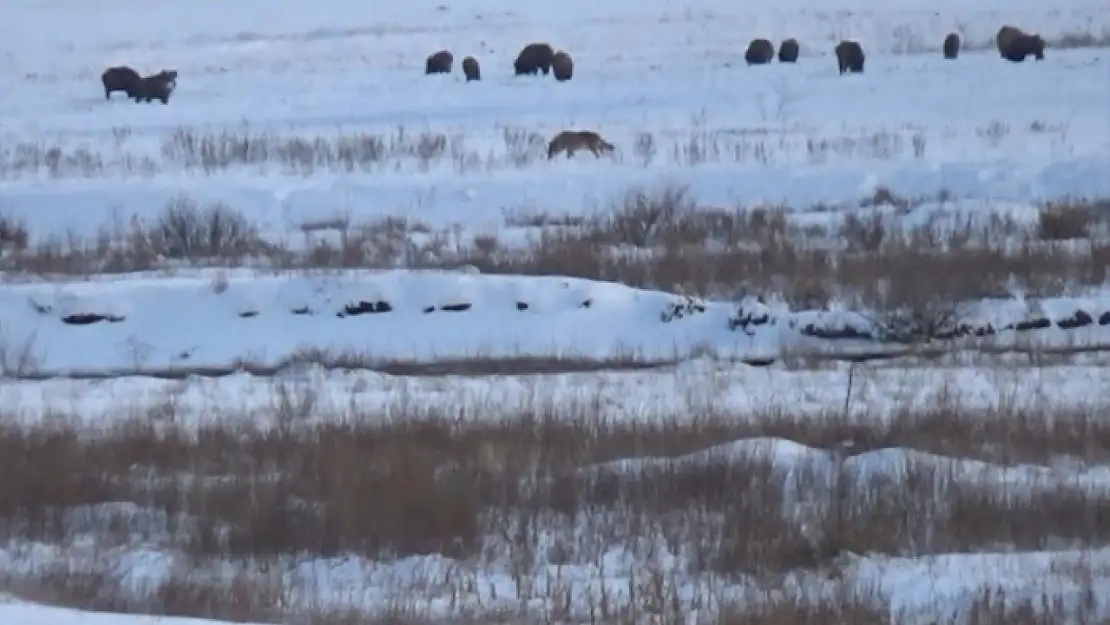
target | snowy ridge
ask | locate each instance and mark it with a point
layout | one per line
(422, 315)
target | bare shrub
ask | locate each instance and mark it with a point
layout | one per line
(13, 234)
(643, 214)
(864, 233)
(1059, 222)
(186, 231)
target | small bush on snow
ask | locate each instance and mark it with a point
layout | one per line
(13, 234)
(188, 232)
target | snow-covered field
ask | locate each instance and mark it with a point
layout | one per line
(658, 420)
(255, 95)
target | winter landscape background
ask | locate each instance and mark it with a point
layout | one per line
(327, 340)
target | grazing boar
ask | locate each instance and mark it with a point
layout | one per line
(849, 57)
(119, 78)
(471, 69)
(157, 87)
(439, 63)
(570, 141)
(533, 58)
(759, 51)
(1014, 45)
(788, 51)
(951, 46)
(1005, 35)
(562, 66)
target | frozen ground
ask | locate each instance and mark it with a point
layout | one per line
(964, 488)
(977, 127)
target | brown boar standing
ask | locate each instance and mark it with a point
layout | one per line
(119, 78)
(951, 46)
(849, 57)
(534, 58)
(471, 69)
(439, 63)
(562, 66)
(788, 51)
(1005, 35)
(759, 51)
(1014, 45)
(570, 141)
(157, 87)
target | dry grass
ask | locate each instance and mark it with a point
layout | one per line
(525, 493)
(13, 234)
(653, 239)
(401, 150)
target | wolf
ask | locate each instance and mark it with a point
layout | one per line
(570, 141)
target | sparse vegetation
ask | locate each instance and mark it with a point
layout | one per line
(13, 234)
(652, 238)
(402, 150)
(545, 492)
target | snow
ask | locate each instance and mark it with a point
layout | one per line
(226, 318)
(801, 135)
(32, 614)
(886, 390)
(995, 137)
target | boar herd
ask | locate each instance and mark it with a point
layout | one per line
(1013, 45)
(533, 59)
(142, 88)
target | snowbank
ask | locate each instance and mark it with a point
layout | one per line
(190, 322)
